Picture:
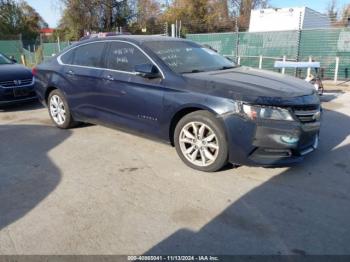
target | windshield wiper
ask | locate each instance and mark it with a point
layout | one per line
(226, 67)
(199, 71)
(192, 71)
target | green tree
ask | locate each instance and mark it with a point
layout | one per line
(94, 15)
(11, 18)
(78, 16)
(32, 22)
(147, 13)
(192, 13)
(115, 13)
(199, 15)
(19, 18)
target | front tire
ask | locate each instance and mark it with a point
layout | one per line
(200, 141)
(59, 110)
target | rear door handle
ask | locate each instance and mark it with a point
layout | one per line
(110, 78)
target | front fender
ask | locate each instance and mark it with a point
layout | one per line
(178, 104)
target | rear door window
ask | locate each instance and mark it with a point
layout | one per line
(124, 57)
(89, 55)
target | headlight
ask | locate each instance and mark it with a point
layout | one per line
(265, 112)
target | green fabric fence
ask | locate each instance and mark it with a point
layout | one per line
(50, 49)
(224, 43)
(264, 48)
(11, 48)
(324, 46)
(15, 48)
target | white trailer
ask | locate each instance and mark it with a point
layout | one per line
(283, 19)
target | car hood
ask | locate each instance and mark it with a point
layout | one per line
(246, 83)
(14, 72)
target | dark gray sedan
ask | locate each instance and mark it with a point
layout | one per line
(210, 109)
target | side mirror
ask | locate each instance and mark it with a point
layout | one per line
(13, 59)
(147, 71)
(229, 59)
(210, 47)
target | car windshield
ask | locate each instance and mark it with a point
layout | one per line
(188, 57)
(4, 60)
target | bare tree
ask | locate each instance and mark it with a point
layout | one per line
(345, 20)
(332, 11)
(242, 8)
(115, 13)
(147, 11)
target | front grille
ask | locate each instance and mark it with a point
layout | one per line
(9, 94)
(16, 83)
(307, 114)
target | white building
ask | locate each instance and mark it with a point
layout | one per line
(282, 19)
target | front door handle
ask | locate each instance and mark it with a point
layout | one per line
(70, 72)
(110, 78)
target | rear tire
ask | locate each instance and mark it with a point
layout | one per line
(200, 141)
(59, 110)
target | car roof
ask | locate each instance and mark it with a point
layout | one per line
(139, 39)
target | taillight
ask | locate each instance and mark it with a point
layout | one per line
(34, 71)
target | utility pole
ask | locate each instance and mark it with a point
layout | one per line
(238, 6)
(180, 27)
(58, 44)
(237, 39)
(166, 29)
(173, 30)
(176, 28)
(299, 41)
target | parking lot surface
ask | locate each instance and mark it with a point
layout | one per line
(94, 190)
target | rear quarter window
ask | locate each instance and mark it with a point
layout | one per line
(68, 57)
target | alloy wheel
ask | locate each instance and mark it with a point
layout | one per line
(57, 110)
(199, 144)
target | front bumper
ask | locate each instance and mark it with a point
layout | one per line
(16, 95)
(270, 143)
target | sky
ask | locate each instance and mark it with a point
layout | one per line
(318, 5)
(51, 12)
(48, 9)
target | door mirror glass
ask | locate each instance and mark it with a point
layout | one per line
(13, 60)
(147, 71)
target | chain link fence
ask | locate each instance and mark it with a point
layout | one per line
(11, 46)
(51, 49)
(30, 54)
(331, 47)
